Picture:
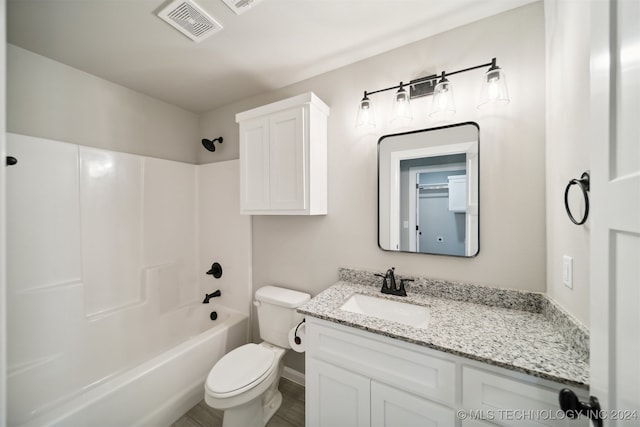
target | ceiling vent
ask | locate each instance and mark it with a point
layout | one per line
(190, 19)
(241, 6)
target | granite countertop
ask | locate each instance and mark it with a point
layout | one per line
(522, 331)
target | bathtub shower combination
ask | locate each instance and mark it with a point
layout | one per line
(106, 275)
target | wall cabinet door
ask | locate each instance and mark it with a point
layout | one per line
(254, 167)
(458, 193)
(287, 155)
(336, 397)
(391, 407)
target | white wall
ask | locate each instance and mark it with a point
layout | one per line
(48, 99)
(304, 253)
(512, 253)
(567, 147)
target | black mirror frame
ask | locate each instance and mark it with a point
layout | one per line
(378, 183)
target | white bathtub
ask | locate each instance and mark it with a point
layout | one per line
(157, 391)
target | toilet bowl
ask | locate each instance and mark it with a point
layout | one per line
(244, 382)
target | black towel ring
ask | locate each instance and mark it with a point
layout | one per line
(583, 183)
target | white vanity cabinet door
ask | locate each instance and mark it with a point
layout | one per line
(391, 407)
(336, 397)
(512, 402)
(283, 157)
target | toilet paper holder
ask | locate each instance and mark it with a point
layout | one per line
(296, 338)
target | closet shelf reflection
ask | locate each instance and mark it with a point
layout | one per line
(436, 186)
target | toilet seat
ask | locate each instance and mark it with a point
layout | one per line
(240, 369)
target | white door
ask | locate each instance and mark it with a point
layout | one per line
(3, 269)
(615, 207)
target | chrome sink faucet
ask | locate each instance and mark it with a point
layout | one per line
(389, 284)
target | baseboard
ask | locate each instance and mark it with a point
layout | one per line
(293, 375)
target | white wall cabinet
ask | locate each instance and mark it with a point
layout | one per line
(356, 378)
(457, 193)
(283, 157)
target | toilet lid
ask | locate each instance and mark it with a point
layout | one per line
(240, 368)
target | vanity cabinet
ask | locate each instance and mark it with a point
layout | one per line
(283, 157)
(353, 380)
(344, 398)
(357, 378)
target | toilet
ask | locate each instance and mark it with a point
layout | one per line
(244, 382)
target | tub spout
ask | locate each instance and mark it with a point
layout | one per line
(207, 297)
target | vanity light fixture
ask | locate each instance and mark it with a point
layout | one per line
(402, 105)
(365, 112)
(493, 91)
(443, 105)
(494, 87)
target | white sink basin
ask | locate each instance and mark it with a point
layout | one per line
(395, 311)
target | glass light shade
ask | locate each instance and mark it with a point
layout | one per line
(402, 106)
(443, 105)
(494, 88)
(365, 113)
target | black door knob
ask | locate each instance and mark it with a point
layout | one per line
(573, 407)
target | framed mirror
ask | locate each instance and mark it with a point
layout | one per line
(429, 191)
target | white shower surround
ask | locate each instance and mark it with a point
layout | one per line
(107, 254)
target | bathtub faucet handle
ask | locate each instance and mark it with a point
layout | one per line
(207, 297)
(215, 270)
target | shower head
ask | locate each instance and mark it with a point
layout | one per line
(208, 143)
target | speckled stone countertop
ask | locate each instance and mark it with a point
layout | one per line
(522, 331)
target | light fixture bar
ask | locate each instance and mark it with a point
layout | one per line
(429, 79)
(488, 64)
(493, 93)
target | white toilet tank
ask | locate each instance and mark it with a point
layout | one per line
(277, 313)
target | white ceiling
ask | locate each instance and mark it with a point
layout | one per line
(275, 44)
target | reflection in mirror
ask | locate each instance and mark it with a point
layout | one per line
(428, 191)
